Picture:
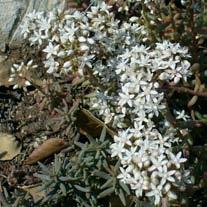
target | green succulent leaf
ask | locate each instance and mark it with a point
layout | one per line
(82, 189)
(106, 192)
(63, 189)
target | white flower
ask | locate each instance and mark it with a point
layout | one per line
(117, 149)
(25, 29)
(177, 159)
(158, 162)
(27, 83)
(140, 158)
(148, 92)
(156, 193)
(51, 50)
(166, 175)
(171, 195)
(51, 64)
(181, 115)
(90, 41)
(165, 141)
(185, 65)
(37, 37)
(125, 98)
(82, 39)
(124, 176)
(129, 155)
(44, 25)
(35, 15)
(84, 47)
(136, 131)
(136, 183)
(68, 33)
(124, 137)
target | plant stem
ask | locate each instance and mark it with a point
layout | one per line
(164, 202)
(182, 89)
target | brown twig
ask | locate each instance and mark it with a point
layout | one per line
(186, 90)
(165, 202)
(194, 47)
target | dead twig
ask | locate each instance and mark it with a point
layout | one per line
(186, 90)
(164, 202)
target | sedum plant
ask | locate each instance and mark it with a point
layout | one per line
(131, 52)
(88, 177)
(95, 42)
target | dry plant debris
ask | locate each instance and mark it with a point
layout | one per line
(9, 147)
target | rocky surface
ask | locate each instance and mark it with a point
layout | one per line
(12, 13)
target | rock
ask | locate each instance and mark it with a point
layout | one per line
(12, 13)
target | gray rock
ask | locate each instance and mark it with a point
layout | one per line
(12, 13)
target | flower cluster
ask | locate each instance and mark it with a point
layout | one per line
(72, 41)
(130, 74)
(136, 86)
(65, 39)
(175, 68)
(149, 164)
(124, 5)
(21, 74)
(37, 27)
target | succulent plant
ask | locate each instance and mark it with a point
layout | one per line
(87, 177)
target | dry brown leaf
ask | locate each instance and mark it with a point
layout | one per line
(9, 147)
(5, 66)
(91, 125)
(49, 147)
(35, 191)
